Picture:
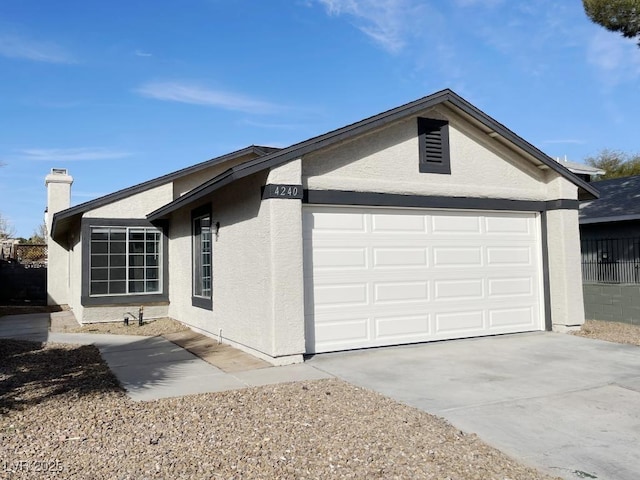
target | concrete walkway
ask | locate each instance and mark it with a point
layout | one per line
(567, 405)
(150, 368)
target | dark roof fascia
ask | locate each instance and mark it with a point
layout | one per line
(363, 126)
(521, 143)
(141, 187)
(618, 218)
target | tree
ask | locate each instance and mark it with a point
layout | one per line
(616, 16)
(39, 235)
(6, 229)
(615, 163)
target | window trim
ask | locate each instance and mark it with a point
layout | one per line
(86, 299)
(199, 301)
(430, 125)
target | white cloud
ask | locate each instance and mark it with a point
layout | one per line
(140, 53)
(12, 46)
(197, 95)
(616, 59)
(390, 23)
(70, 154)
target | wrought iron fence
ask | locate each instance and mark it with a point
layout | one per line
(611, 260)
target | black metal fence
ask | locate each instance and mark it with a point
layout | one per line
(611, 260)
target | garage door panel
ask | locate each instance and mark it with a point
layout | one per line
(401, 328)
(342, 331)
(400, 292)
(512, 317)
(392, 279)
(501, 224)
(459, 323)
(455, 223)
(406, 257)
(339, 258)
(398, 225)
(456, 290)
(340, 295)
(515, 256)
(346, 222)
(510, 287)
(457, 257)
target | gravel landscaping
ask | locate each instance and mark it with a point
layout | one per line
(150, 328)
(610, 331)
(63, 412)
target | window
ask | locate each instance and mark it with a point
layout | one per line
(202, 258)
(433, 137)
(125, 261)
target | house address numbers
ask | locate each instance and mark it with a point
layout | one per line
(280, 190)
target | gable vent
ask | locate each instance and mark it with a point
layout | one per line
(433, 136)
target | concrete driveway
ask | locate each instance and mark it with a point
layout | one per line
(567, 405)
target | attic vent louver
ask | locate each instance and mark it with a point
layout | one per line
(433, 136)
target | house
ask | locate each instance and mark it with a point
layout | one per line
(429, 221)
(616, 214)
(610, 246)
(581, 170)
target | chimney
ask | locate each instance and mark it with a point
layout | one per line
(58, 184)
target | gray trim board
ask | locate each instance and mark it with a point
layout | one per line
(89, 301)
(298, 150)
(339, 197)
(546, 285)
(63, 219)
(200, 302)
(617, 218)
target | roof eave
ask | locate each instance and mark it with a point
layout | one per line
(58, 223)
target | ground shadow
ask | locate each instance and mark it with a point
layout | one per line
(32, 372)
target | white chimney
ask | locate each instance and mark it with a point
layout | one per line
(58, 184)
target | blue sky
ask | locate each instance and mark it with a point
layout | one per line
(121, 92)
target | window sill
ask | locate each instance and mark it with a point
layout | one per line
(124, 300)
(204, 303)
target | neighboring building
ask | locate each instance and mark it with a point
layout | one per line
(430, 221)
(585, 172)
(610, 246)
(616, 213)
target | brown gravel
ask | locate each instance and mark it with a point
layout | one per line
(62, 410)
(610, 331)
(149, 328)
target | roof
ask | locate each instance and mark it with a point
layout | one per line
(581, 168)
(619, 200)
(446, 97)
(63, 219)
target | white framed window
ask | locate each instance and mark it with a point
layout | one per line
(202, 257)
(125, 261)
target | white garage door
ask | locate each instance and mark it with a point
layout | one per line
(377, 276)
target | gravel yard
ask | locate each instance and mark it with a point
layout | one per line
(610, 331)
(62, 410)
(149, 328)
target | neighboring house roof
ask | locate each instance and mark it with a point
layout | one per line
(619, 200)
(62, 220)
(581, 168)
(445, 97)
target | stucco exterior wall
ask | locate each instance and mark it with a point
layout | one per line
(58, 198)
(257, 270)
(135, 206)
(565, 274)
(188, 182)
(387, 161)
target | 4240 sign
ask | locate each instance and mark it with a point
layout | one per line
(279, 190)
